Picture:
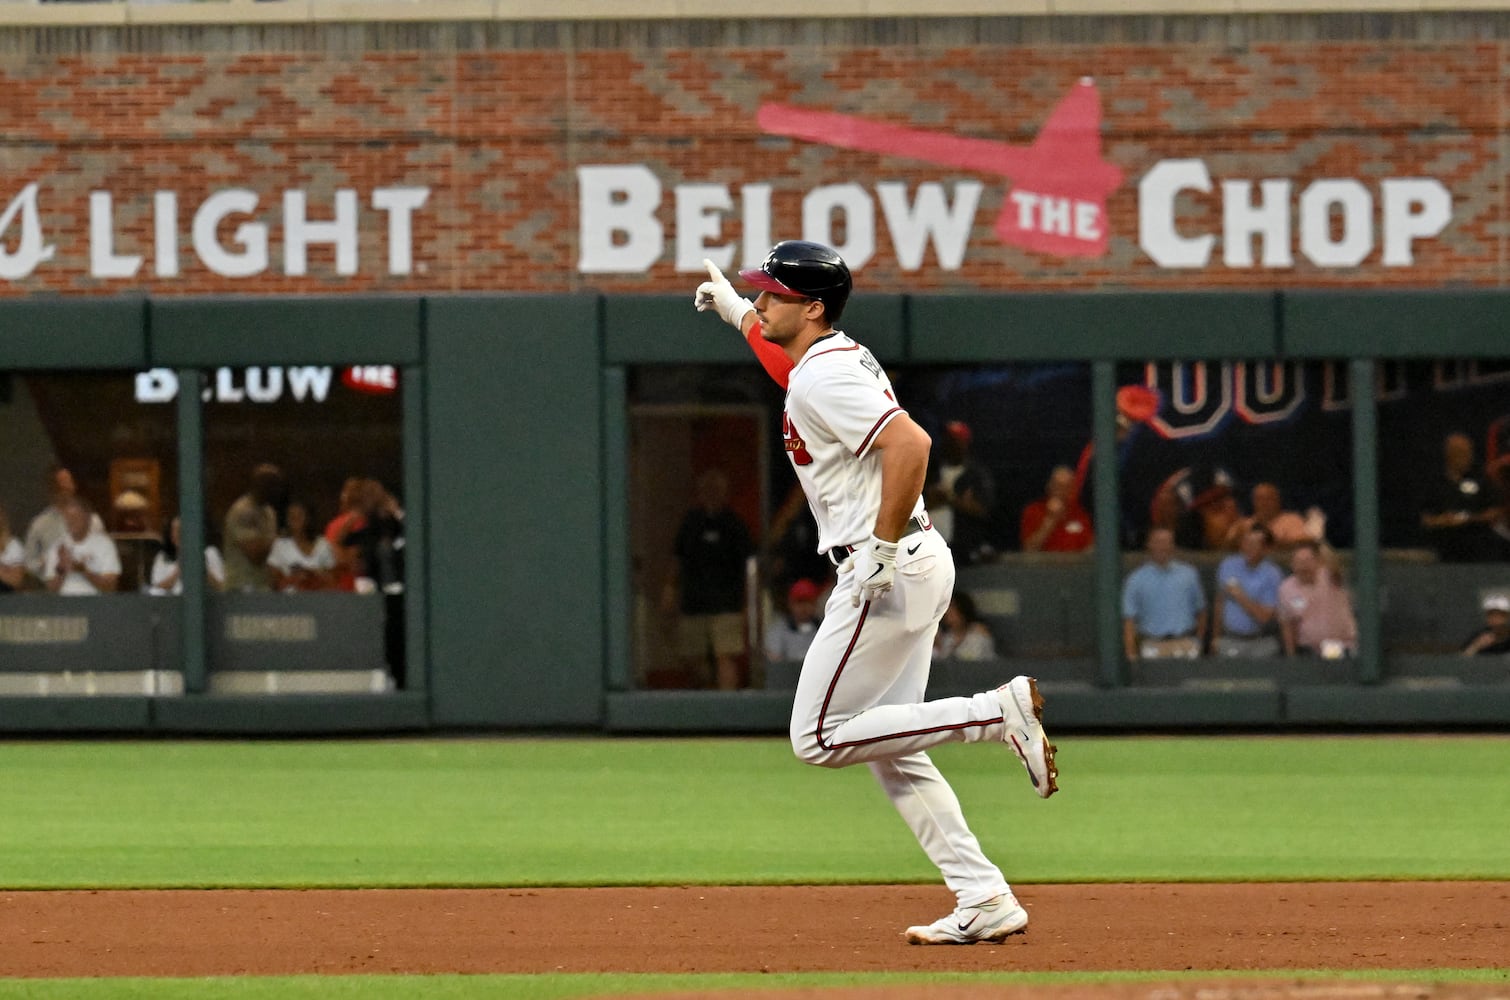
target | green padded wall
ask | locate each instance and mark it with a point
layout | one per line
(1091, 327)
(1424, 324)
(342, 330)
(72, 334)
(515, 449)
(666, 329)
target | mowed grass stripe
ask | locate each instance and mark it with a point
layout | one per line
(550, 811)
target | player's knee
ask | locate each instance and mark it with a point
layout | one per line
(810, 750)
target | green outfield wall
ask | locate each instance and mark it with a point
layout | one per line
(516, 457)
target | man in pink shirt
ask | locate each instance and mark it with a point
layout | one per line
(1315, 609)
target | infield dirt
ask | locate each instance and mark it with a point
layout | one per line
(1244, 927)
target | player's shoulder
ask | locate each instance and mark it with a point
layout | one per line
(836, 354)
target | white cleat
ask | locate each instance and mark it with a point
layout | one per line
(993, 921)
(1022, 714)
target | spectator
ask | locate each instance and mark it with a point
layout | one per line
(12, 558)
(789, 638)
(377, 535)
(1163, 607)
(84, 561)
(251, 527)
(47, 528)
(348, 519)
(1057, 523)
(960, 495)
(301, 559)
(708, 582)
(1246, 596)
(1315, 609)
(1207, 510)
(1494, 638)
(962, 635)
(167, 577)
(1286, 527)
(1459, 510)
(1166, 510)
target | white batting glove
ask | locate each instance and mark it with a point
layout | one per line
(875, 571)
(716, 293)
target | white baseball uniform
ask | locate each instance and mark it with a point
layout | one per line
(860, 695)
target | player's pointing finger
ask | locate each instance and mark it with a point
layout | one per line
(713, 271)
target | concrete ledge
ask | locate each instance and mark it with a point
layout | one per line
(92, 684)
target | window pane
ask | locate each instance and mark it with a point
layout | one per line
(91, 471)
(302, 472)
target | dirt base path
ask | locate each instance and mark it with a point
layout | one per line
(1388, 925)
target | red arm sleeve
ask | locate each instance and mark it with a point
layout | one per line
(772, 358)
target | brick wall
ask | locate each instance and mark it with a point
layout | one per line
(497, 137)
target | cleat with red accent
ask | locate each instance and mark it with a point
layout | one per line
(1022, 716)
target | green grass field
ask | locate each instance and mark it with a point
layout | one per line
(511, 812)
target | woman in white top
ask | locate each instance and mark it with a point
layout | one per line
(12, 557)
(302, 558)
(166, 577)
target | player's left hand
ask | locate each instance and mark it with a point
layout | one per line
(718, 294)
(875, 571)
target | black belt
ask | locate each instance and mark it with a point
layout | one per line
(839, 553)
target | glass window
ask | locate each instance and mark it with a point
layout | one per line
(302, 474)
(1444, 486)
(91, 470)
(1236, 482)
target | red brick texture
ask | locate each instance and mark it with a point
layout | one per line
(497, 137)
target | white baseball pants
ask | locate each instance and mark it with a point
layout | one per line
(860, 700)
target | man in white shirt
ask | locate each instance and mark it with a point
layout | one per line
(83, 561)
(47, 528)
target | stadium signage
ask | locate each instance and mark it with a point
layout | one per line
(1329, 222)
(1055, 204)
(227, 233)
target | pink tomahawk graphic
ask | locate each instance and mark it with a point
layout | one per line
(1058, 205)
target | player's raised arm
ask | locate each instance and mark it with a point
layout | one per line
(718, 294)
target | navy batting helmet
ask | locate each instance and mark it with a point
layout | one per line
(811, 270)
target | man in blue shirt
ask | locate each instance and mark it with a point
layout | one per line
(1247, 593)
(1163, 607)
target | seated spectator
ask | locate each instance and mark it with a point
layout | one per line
(789, 637)
(1494, 638)
(1246, 595)
(1315, 609)
(1057, 523)
(378, 538)
(1286, 527)
(962, 635)
(167, 576)
(1459, 509)
(12, 558)
(251, 527)
(84, 561)
(347, 520)
(47, 528)
(300, 558)
(1163, 606)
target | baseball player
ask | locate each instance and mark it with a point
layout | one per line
(861, 461)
